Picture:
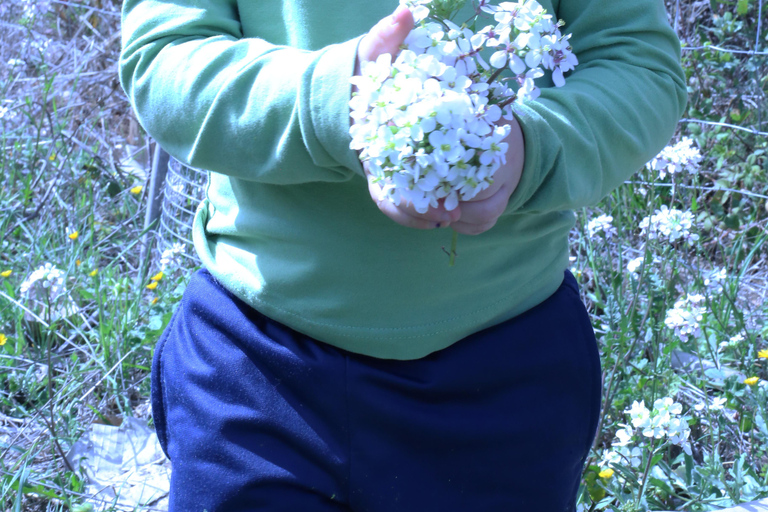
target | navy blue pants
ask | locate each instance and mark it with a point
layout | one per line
(255, 416)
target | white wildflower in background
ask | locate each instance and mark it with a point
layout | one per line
(685, 316)
(715, 278)
(732, 342)
(429, 125)
(3, 111)
(601, 223)
(663, 421)
(32, 8)
(670, 224)
(717, 404)
(634, 264)
(683, 156)
(666, 408)
(639, 414)
(47, 280)
(624, 455)
(170, 257)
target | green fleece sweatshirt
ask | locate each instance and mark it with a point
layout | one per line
(257, 93)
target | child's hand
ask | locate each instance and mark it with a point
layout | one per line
(386, 37)
(481, 213)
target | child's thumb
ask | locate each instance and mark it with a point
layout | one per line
(387, 35)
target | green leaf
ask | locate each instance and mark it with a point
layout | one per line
(742, 7)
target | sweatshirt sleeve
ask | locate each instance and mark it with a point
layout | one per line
(618, 108)
(237, 105)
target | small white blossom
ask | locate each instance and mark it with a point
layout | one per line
(666, 407)
(47, 280)
(601, 223)
(671, 224)
(674, 159)
(715, 278)
(625, 455)
(717, 404)
(685, 316)
(732, 342)
(640, 415)
(634, 264)
(663, 421)
(170, 256)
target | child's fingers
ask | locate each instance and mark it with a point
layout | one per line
(480, 216)
(386, 36)
(406, 215)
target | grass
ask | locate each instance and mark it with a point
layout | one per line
(73, 159)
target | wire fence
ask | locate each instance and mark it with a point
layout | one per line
(182, 192)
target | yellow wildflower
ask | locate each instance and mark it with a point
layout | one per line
(751, 381)
(761, 353)
(78, 262)
(154, 301)
(157, 276)
(3, 339)
(6, 273)
(136, 190)
(94, 272)
(152, 285)
(52, 157)
(74, 235)
(606, 473)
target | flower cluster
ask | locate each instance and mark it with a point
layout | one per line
(429, 125)
(733, 342)
(670, 224)
(674, 159)
(717, 404)
(170, 257)
(601, 223)
(47, 280)
(685, 316)
(715, 278)
(663, 422)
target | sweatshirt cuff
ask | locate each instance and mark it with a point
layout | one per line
(327, 110)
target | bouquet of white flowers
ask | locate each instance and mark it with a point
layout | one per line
(430, 125)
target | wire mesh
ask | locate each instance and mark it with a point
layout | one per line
(183, 190)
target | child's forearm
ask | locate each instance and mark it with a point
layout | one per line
(619, 107)
(237, 105)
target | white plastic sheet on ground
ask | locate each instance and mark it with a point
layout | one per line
(123, 466)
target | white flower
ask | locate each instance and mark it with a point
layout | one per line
(669, 223)
(640, 415)
(718, 403)
(685, 317)
(666, 407)
(634, 264)
(47, 280)
(655, 428)
(170, 257)
(679, 432)
(429, 126)
(601, 223)
(673, 159)
(715, 278)
(624, 455)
